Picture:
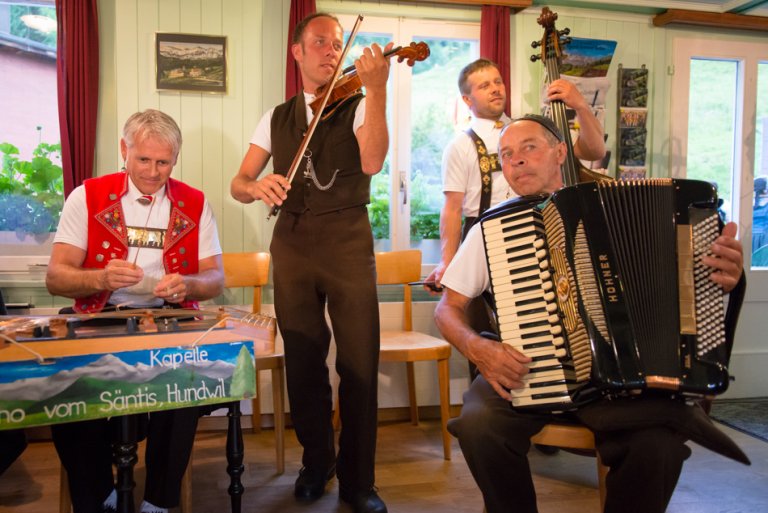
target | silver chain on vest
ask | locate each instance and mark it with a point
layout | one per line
(309, 172)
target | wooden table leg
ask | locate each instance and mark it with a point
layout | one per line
(235, 453)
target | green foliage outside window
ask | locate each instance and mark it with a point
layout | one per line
(31, 191)
(425, 222)
(425, 218)
(431, 131)
(378, 209)
(710, 122)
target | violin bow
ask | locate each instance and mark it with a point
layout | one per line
(316, 119)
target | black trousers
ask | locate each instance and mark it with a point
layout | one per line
(645, 463)
(318, 261)
(85, 450)
(12, 444)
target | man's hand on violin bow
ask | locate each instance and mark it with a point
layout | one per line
(373, 68)
(272, 189)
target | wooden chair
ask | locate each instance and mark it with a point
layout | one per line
(252, 270)
(406, 345)
(574, 436)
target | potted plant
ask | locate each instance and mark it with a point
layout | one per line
(31, 191)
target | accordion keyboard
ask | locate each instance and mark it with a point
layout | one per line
(526, 306)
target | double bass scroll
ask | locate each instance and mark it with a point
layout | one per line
(551, 44)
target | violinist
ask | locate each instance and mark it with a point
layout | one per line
(322, 249)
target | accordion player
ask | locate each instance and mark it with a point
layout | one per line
(602, 285)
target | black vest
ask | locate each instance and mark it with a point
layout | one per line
(333, 146)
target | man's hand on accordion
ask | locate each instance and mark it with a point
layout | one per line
(728, 262)
(503, 366)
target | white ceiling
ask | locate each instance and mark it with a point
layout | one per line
(748, 7)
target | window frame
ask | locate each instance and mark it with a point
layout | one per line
(748, 55)
(403, 31)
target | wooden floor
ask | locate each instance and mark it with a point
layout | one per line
(412, 478)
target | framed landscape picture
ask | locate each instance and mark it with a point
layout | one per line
(191, 62)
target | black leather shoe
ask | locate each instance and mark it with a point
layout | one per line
(366, 501)
(310, 485)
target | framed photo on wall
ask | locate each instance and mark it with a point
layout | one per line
(191, 62)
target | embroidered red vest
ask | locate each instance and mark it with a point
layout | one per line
(108, 235)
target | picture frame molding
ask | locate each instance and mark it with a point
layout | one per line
(195, 83)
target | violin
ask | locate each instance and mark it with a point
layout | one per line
(552, 44)
(349, 85)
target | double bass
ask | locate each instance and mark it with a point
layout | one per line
(551, 44)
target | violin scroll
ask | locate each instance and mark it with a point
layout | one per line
(413, 52)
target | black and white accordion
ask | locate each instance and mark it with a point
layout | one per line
(603, 286)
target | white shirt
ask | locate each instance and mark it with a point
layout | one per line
(461, 168)
(262, 136)
(467, 273)
(73, 229)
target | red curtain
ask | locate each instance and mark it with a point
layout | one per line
(494, 41)
(77, 69)
(300, 9)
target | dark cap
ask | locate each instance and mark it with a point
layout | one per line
(543, 121)
(760, 185)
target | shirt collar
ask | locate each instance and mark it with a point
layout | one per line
(134, 193)
(487, 124)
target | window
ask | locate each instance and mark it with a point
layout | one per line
(31, 186)
(424, 112)
(719, 125)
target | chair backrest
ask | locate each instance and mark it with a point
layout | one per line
(400, 268)
(247, 270)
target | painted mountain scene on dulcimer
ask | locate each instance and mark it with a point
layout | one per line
(105, 385)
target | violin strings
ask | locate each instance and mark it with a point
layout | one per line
(561, 120)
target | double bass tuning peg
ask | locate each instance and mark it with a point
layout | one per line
(535, 57)
(535, 44)
(564, 32)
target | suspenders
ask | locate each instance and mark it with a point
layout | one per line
(489, 162)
